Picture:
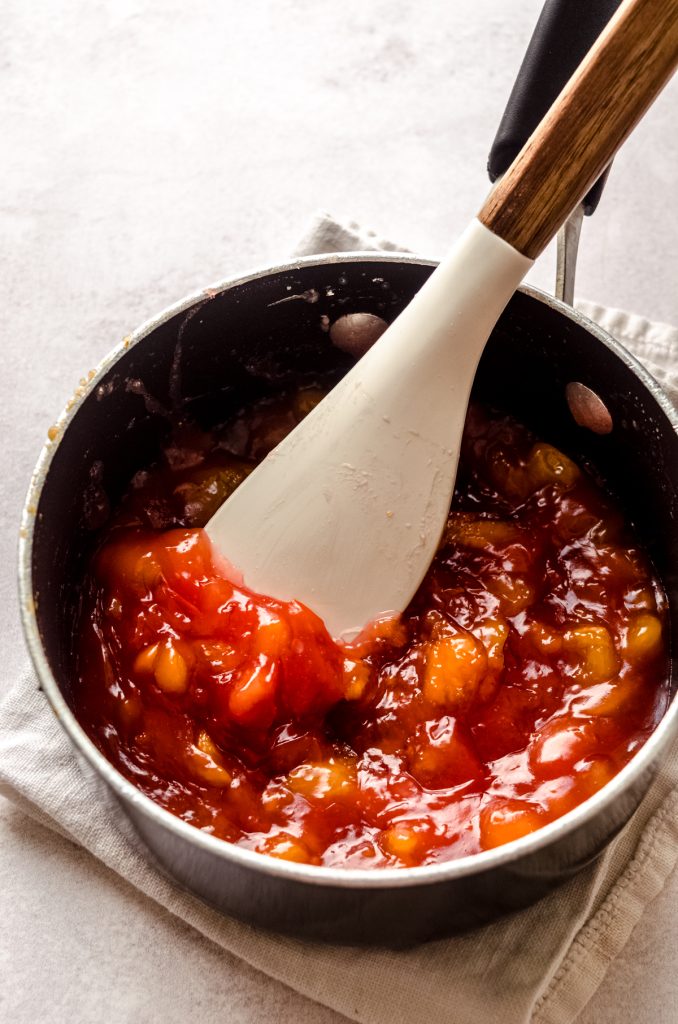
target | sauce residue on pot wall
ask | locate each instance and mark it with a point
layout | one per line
(527, 670)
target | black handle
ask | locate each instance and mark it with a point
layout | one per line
(565, 32)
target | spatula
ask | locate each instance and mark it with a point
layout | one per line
(346, 513)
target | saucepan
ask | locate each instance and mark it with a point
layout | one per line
(237, 341)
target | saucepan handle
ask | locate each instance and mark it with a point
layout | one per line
(624, 71)
(565, 32)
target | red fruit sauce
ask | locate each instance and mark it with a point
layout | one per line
(528, 669)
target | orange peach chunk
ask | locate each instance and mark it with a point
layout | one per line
(504, 820)
(515, 593)
(560, 744)
(218, 656)
(455, 666)
(129, 562)
(130, 709)
(252, 699)
(611, 698)
(207, 762)
(547, 465)
(170, 670)
(640, 599)
(273, 636)
(327, 782)
(510, 478)
(404, 841)
(208, 487)
(593, 653)
(494, 634)
(595, 772)
(287, 847)
(480, 534)
(144, 662)
(306, 399)
(545, 639)
(643, 638)
(356, 678)
(441, 755)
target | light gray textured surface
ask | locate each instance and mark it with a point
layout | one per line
(150, 148)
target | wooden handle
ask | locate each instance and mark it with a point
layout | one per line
(608, 94)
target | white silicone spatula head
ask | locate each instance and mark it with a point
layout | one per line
(346, 513)
(361, 488)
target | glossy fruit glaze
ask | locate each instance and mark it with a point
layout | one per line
(527, 670)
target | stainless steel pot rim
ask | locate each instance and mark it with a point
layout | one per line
(310, 874)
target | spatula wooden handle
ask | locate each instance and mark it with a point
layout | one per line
(608, 94)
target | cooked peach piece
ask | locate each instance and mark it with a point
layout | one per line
(170, 669)
(306, 399)
(287, 847)
(547, 465)
(207, 762)
(594, 657)
(273, 636)
(208, 487)
(217, 655)
(595, 772)
(356, 678)
(404, 841)
(561, 743)
(643, 638)
(494, 634)
(440, 754)
(613, 698)
(481, 534)
(514, 592)
(503, 820)
(146, 658)
(129, 561)
(252, 699)
(508, 474)
(545, 639)
(325, 782)
(455, 666)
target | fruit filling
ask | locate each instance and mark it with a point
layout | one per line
(528, 669)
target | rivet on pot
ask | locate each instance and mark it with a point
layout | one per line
(588, 408)
(356, 332)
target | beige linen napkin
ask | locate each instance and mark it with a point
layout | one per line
(540, 965)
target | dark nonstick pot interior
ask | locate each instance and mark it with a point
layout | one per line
(226, 347)
(230, 347)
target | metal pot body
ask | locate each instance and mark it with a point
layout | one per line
(230, 344)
